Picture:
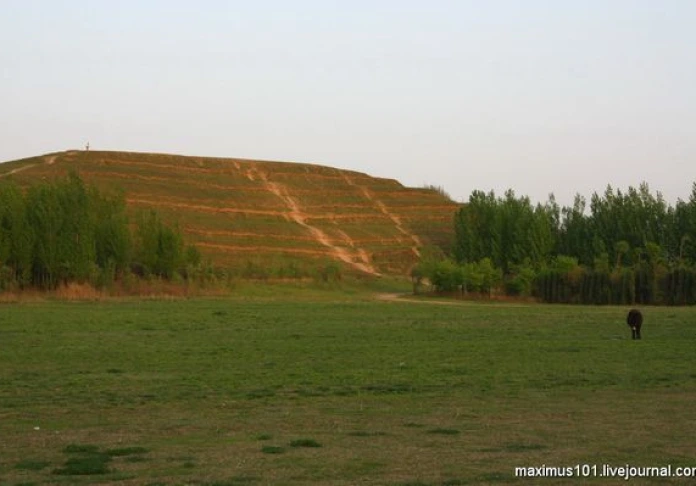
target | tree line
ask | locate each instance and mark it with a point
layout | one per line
(62, 231)
(625, 247)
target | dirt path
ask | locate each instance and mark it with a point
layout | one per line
(361, 253)
(392, 297)
(49, 160)
(297, 215)
(383, 208)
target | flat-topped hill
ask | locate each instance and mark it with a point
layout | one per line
(274, 214)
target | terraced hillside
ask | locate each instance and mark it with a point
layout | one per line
(273, 214)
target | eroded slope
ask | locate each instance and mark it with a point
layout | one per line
(268, 213)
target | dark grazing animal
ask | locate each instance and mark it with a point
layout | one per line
(635, 321)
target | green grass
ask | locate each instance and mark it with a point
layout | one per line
(304, 443)
(234, 481)
(126, 451)
(85, 465)
(182, 392)
(30, 465)
(363, 433)
(444, 431)
(272, 449)
(81, 449)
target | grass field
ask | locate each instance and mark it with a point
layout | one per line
(338, 388)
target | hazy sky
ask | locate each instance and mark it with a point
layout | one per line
(540, 96)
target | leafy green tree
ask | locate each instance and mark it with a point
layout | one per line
(648, 241)
(622, 248)
(508, 230)
(44, 213)
(576, 232)
(490, 275)
(472, 279)
(76, 242)
(447, 276)
(63, 230)
(160, 248)
(112, 234)
(520, 280)
(477, 228)
(16, 234)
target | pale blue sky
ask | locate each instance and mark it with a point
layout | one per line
(538, 96)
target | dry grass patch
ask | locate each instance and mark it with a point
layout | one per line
(78, 291)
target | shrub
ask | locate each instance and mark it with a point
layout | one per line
(272, 449)
(305, 443)
(446, 276)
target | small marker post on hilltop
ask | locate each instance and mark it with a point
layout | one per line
(87, 147)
